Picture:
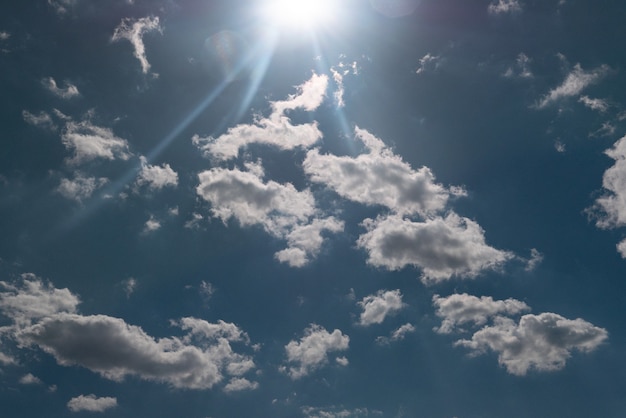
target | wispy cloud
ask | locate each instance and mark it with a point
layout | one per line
(80, 187)
(575, 82)
(498, 7)
(133, 30)
(68, 92)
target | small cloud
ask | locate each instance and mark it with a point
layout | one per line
(91, 403)
(504, 6)
(151, 225)
(173, 211)
(575, 82)
(377, 307)
(535, 259)
(594, 104)
(239, 384)
(194, 222)
(156, 177)
(80, 187)
(133, 30)
(68, 92)
(4, 35)
(521, 69)
(428, 62)
(41, 120)
(559, 146)
(130, 285)
(90, 142)
(206, 290)
(342, 361)
(30, 379)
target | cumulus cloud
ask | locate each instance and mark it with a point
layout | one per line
(377, 307)
(276, 130)
(30, 379)
(151, 225)
(239, 384)
(504, 6)
(460, 309)
(397, 334)
(594, 104)
(541, 342)
(610, 208)
(575, 82)
(379, 177)
(68, 92)
(46, 317)
(91, 403)
(80, 187)
(280, 209)
(441, 247)
(89, 142)
(133, 30)
(311, 352)
(156, 177)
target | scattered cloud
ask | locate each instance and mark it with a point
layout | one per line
(276, 130)
(460, 309)
(338, 412)
(91, 403)
(130, 285)
(156, 177)
(30, 379)
(42, 120)
(239, 384)
(68, 92)
(441, 247)
(575, 82)
(610, 208)
(428, 62)
(311, 352)
(541, 342)
(4, 35)
(280, 209)
(498, 7)
(151, 225)
(521, 69)
(377, 307)
(600, 105)
(89, 142)
(535, 259)
(396, 335)
(80, 187)
(62, 6)
(133, 30)
(379, 177)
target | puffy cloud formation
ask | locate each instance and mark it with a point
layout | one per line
(89, 142)
(91, 403)
(30, 379)
(280, 209)
(80, 187)
(575, 82)
(46, 317)
(541, 342)
(504, 6)
(311, 352)
(611, 207)
(461, 309)
(377, 307)
(238, 384)
(156, 177)
(379, 177)
(133, 30)
(441, 247)
(276, 130)
(68, 92)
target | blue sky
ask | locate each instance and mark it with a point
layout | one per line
(384, 208)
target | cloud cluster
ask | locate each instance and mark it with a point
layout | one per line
(91, 403)
(46, 317)
(311, 352)
(541, 342)
(133, 31)
(377, 307)
(276, 130)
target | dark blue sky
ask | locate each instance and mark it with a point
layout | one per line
(385, 208)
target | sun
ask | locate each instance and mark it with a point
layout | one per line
(299, 14)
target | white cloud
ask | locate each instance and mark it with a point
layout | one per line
(460, 309)
(156, 177)
(30, 379)
(621, 248)
(80, 187)
(280, 209)
(338, 412)
(194, 222)
(151, 225)
(130, 285)
(4, 35)
(89, 142)
(440, 247)
(521, 69)
(276, 130)
(6, 359)
(68, 92)
(594, 104)
(428, 62)
(31, 299)
(379, 177)
(610, 208)
(541, 342)
(311, 352)
(133, 30)
(575, 82)
(504, 6)
(91, 403)
(240, 383)
(42, 120)
(535, 259)
(396, 335)
(377, 307)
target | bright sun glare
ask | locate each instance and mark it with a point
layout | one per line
(299, 14)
